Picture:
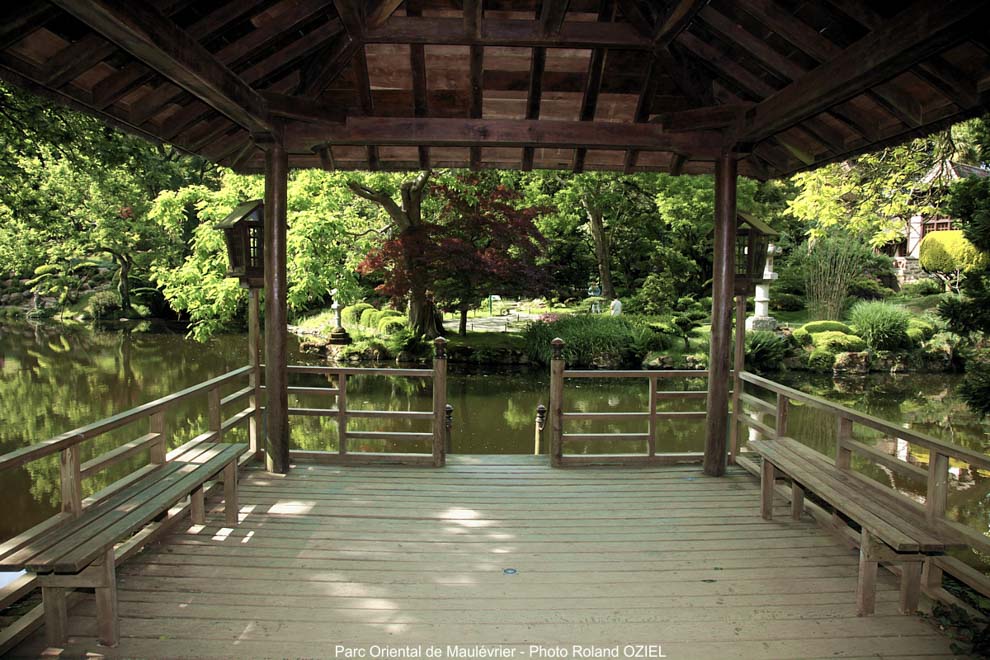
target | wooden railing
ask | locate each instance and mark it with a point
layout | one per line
(153, 439)
(560, 439)
(750, 412)
(439, 416)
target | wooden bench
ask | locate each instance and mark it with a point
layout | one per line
(80, 553)
(888, 532)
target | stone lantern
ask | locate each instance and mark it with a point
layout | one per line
(753, 238)
(243, 232)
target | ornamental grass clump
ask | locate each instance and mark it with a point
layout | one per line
(594, 340)
(883, 326)
(765, 351)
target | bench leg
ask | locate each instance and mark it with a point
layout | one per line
(910, 586)
(866, 587)
(230, 492)
(767, 476)
(56, 615)
(106, 602)
(197, 506)
(797, 500)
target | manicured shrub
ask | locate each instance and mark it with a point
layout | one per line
(786, 302)
(765, 351)
(351, 315)
(915, 336)
(867, 288)
(821, 359)
(104, 305)
(369, 318)
(923, 327)
(925, 287)
(883, 326)
(948, 255)
(801, 337)
(826, 326)
(388, 325)
(838, 342)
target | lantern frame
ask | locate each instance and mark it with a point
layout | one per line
(752, 241)
(244, 235)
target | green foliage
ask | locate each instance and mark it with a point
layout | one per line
(765, 351)
(815, 327)
(923, 328)
(369, 318)
(388, 325)
(838, 342)
(868, 288)
(821, 359)
(922, 287)
(656, 296)
(801, 337)
(351, 315)
(593, 339)
(975, 388)
(104, 305)
(830, 266)
(786, 302)
(883, 326)
(948, 255)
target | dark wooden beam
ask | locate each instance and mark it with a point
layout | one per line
(77, 58)
(643, 105)
(639, 21)
(302, 108)
(717, 417)
(913, 35)
(593, 84)
(552, 14)
(473, 17)
(407, 131)
(506, 32)
(326, 157)
(19, 19)
(477, 66)
(362, 87)
(381, 11)
(417, 65)
(711, 117)
(537, 64)
(677, 162)
(161, 44)
(328, 65)
(351, 14)
(677, 19)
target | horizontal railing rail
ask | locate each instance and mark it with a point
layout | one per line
(750, 411)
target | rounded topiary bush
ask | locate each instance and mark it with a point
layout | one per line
(921, 327)
(821, 359)
(883, 326)
(389, 325)
(839, 342)
(104, 305)
(351, 315)
(369, 318)
(801, 337)
(815, 327)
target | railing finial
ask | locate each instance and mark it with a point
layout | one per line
(448, 417)
(558, 348)
(441, 346)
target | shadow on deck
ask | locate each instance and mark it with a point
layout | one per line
(500, 552)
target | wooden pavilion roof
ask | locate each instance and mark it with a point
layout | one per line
(628, 85)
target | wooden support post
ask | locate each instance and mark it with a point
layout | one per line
(843, 456)
(56, 615)
(738, 365)
(722, 288)
(254, 378)
(197, 506)
(107, 620)
(938, 485)
(783, 410)
(651, 441)
(69, 467)
(439, 401)
(797, 500)
(556, 401)
(276, 329)
(156, 424)
(341, 413)
(215, 414)
(931, 574)
(866, 586)
(230, 506)
(768, 475)
(910, 586)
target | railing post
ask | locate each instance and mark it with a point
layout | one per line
(254, 378)
(843, 455)
(541, 422)
(215, 416)
(556, 401)
(738, 364)
(156, 424)
(783, 410)
(938, 485)
(651, 441)
(439, 401)
(448, 423)
(341, 413)
(71, 480)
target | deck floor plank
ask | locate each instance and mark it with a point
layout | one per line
(406, 556)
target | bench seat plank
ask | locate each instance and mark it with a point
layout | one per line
(77, 550)
(793, 465)
(929, 539)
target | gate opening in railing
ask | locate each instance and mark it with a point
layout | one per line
(569, 429)
(348, 432)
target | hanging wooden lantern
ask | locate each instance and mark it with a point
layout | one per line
(243, 231)
(753, 238)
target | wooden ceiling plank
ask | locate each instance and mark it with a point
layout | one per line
(381, 12)
(477, 65)
(351, 14)
(325, 69)
(295, 14)
(552, 15)
(19, 19)
(593, 83)
(161, 44)
(417, 66)
(473, 17)
(678, 18)
(506, 32)
(912, 36)
(644, 104)
(637, 19)
(537, 65)
(77, 58)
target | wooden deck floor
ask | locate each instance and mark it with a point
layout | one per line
(499, 553)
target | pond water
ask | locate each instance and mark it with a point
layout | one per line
(53, 379)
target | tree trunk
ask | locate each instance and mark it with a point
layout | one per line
(124, 284)
(462, 326)
(424, 320)
(601, 250)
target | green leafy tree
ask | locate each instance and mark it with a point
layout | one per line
(948, 255)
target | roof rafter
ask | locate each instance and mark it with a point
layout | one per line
(161, 44)
(593, 84)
